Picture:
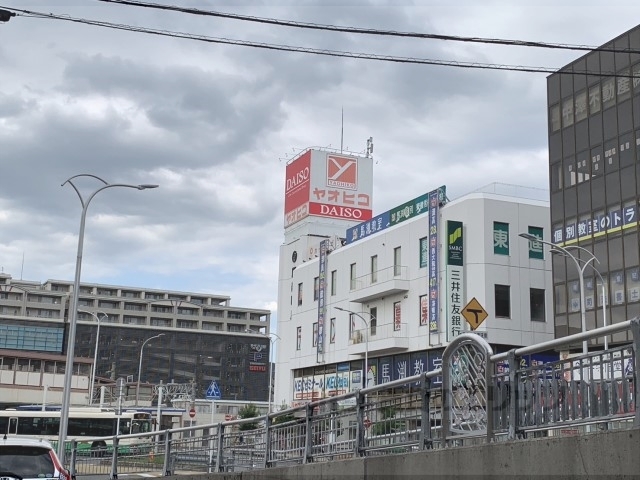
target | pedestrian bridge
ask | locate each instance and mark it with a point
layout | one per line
(480, 414)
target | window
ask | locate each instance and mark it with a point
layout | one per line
(332, 330)
(397, 260)
(314, 341)
(334, 279)
(316, 288)
(352, 276)
(374, 269)
(536, 304)
(535, 247)
(299, 294)
(298, 338)
(500, 238)
(503, 301)
(373, 322)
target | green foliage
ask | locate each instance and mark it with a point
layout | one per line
(248, 411)
(283, 418)
(389, 424)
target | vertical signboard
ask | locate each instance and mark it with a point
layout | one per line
(424, 310)
(433, 261)
(297, 189)
(397, 316)
(500, 238)
(455, 278)
(322, 290)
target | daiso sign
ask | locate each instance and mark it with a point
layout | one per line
(325, 184)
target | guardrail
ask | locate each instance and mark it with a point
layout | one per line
(476, 397)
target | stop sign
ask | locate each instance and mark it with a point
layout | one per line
(192, 412)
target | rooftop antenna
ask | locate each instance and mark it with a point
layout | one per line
(342, 130)
(369, 150)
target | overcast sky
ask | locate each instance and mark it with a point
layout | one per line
(214, 125)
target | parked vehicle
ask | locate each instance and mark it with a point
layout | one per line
(23, 458)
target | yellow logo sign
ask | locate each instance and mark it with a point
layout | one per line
(474, 313)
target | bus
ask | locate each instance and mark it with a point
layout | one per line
(84, 422)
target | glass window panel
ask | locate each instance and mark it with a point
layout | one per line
(560, 299)
(595, 99)
(597, 162)
(567, 112)
(569, 172)
(583, 166)
(633, 284)
(623, 84)
(580, 108)
(554, 118)
(608, 93)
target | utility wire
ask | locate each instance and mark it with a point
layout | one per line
(307, 50)
(365, 31)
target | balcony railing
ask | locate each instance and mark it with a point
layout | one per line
(388, 337)
(388, 281)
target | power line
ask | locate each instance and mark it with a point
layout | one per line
(285, 48)
(307, 50)
(365, 31)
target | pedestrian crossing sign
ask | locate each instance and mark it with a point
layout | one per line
(213, 392)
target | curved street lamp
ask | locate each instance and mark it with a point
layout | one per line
(66, 393)
(365, 381)
(95, 352)
(581, 269)
(140, 364)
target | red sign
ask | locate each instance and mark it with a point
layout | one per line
(338, 211)
(397, 316)
(192, 412)
(257, 368)
(342, 172)
(297, 183)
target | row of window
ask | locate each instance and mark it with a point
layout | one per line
(502, 300)
(353, 279)
(594, 99)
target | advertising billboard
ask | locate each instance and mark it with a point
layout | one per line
(297, 188)
(330, 185)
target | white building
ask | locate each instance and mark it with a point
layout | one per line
(408, 274)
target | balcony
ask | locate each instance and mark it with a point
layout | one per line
(382, 339)
(382, 283)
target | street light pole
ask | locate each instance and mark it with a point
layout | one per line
(140, 364)
(66, 393)
(365, 381)
(602, 284)
(95, 352)
(581, 268)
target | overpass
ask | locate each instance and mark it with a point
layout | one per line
(480, 414)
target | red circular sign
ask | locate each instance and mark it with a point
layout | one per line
(192, 412)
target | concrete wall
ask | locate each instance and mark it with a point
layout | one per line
(607, 454)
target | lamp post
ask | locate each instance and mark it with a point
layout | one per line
(66, 393)
(95, 352)
(140, 364)
(602, 283)
(366, 343)
(581, 268)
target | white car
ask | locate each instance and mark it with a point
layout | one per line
(23, 458)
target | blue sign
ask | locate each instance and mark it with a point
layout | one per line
(213, 392)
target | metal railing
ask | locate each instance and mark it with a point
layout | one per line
(476, 397)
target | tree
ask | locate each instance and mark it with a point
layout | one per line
(389, 423)
(283, 418)
(248, 411)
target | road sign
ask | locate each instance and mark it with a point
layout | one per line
(474, 313)
(213, 392)
(192, 412)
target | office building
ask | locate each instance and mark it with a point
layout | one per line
(594, 167)
(204, 338)
(403, 279)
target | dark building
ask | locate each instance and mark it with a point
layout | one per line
(594, 169)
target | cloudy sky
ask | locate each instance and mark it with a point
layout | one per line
(214, 125)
